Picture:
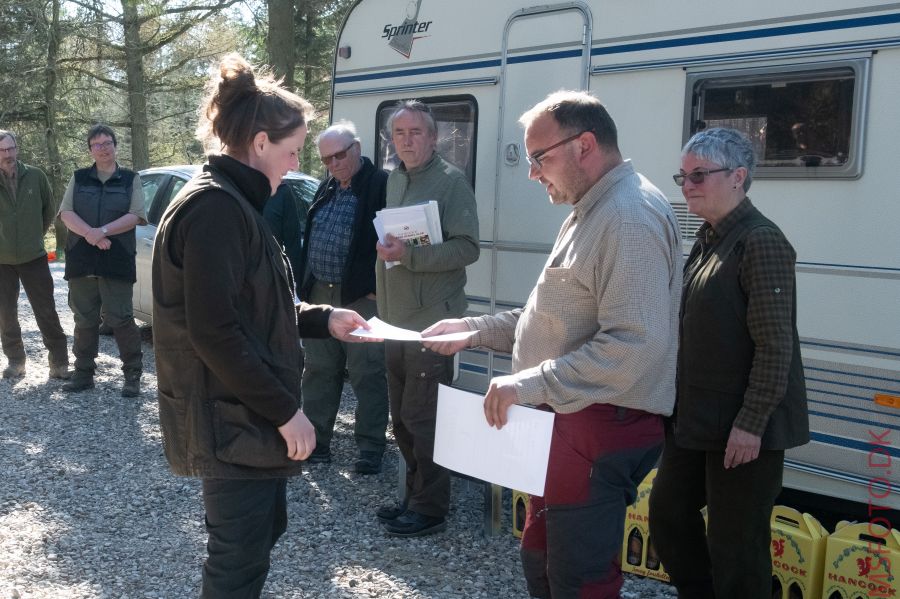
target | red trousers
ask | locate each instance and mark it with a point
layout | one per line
(573, 534)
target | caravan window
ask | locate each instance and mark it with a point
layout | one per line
(457, 120)
(804, 121)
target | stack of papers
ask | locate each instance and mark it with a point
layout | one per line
(415, 225)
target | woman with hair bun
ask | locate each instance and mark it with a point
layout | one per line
(226, 328)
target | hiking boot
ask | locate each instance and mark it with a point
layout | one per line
(414, 524)
(369, 462)
(61, 372)
(320, 455)
(388, 513)
(132, 386)
(14, 369)
(80, 381)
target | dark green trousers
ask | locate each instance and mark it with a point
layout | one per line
(414, 374)
(730, 558)
(87, 295)
(323, 379)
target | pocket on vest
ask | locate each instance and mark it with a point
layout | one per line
(173, 421)
(706, 415)
(244, 438)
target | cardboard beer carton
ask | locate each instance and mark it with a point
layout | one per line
(861, 561)
(638, 554)
(798, 554)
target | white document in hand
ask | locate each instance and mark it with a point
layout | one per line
(382, 330)
(514, 457)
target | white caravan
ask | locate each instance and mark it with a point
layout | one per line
(816, 86)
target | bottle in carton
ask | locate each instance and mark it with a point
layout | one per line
(635, 547)
(652, 557)
(776, 588)
(519, 514)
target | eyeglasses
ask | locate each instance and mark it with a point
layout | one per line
(535, 159)
(697, 177)
(102, 145)
(326, 160)
(8, 150)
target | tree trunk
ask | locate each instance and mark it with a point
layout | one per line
(54, 162)
(310, 151)
(282, 55)
(134, 73)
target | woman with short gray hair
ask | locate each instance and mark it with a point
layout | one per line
(741, 395)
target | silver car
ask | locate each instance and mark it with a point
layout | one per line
(160, 186)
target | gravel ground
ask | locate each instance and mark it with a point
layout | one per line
(88, 507)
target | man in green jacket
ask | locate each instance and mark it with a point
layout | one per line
(26, 210)
(425, 286)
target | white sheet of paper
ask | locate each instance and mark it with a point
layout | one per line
(383, 330)
(514, 457)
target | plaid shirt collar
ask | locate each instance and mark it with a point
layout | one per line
(709, 236)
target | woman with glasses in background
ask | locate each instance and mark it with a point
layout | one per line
(741, 393)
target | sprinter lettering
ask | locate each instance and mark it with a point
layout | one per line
(390, 31)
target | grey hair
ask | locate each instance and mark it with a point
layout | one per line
(729, 148)
(6, 133)
(576, 111)
(413, 106)
(342, 128)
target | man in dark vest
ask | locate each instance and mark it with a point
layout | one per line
(101, 207)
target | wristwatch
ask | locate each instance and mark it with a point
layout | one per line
(104, 230)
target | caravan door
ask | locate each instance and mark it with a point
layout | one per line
(545, 49)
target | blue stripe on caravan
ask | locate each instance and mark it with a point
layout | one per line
(855, 409)
(853, 443)
(481, 64)
(544, 56)
(463, 66)
(857, 374)
(859, 266)
(473, 368)
(848, 348)
(716, 38)
(836, 394)
(836, 474)
(868, 423)
(672, 43)
(851, 385)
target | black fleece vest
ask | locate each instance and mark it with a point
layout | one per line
(716, 351)
(98, 204)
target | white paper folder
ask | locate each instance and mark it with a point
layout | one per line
(514, 457)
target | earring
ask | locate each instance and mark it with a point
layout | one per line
(735, 187)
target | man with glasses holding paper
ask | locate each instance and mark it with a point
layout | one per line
(27, 208)
(337, 267)
(596, 343)
(101, 207)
